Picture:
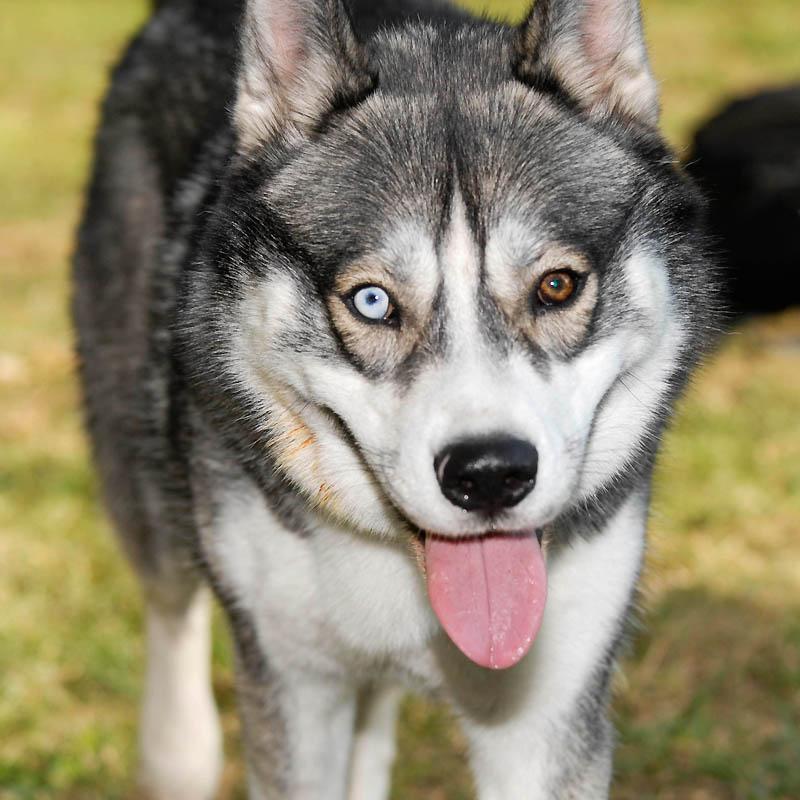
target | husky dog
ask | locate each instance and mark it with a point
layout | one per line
(381, 314)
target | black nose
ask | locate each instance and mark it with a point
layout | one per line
(487, 474)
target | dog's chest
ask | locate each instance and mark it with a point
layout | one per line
(332, 601)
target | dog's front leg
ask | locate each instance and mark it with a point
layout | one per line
(297, 733)
(296, 702)
(374, 744)
(180, 738)
(539, 729)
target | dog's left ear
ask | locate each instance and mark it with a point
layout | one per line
(299, 59)
(594, 51)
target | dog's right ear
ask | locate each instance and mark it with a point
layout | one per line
(299, 60)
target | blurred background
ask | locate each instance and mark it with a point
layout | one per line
(708, 702)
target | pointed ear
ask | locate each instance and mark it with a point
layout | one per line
(299, 60)
(595, 50)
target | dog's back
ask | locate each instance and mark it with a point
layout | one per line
(168, 95)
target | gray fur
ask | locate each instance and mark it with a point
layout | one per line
(216, 172)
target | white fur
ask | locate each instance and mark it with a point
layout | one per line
(346, 607)
(362, 594)
(283, 379)
(469, 393)
(374, 745)
(364, 599)
(648, 354)
(332, 580)
(180, 739)
(459, 260)
(319, 718)
(349, 606)
(589, 587)
(331, 611)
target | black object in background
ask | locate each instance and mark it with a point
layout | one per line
(747, 158)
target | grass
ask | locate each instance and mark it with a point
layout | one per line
(709, 705)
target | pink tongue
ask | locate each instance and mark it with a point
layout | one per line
(489, 594)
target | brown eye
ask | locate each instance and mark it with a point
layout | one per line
(557, 287)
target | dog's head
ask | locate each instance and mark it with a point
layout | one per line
(454, 281)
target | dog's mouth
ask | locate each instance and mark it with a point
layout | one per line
(487, 591)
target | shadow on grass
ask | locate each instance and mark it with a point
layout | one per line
(710, 710)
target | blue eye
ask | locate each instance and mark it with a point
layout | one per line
(373, 303)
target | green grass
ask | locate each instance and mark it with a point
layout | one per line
(709, 705)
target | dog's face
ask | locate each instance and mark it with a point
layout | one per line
(494, 294)
(459, 305)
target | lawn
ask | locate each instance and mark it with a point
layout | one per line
(708, 702)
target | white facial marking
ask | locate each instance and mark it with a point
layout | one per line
(473, 394)
(460, 265)
(646, 357)
(585, 414)
(510, 246)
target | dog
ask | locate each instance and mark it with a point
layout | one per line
(746, 158)
(381, 313)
